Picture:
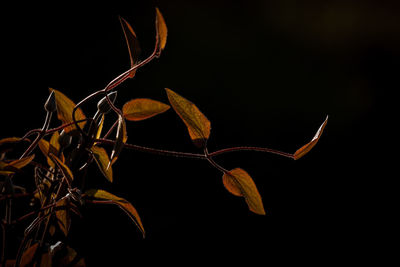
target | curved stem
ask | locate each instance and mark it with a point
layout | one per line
(247, 148)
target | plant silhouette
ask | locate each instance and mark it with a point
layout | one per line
(59, 190)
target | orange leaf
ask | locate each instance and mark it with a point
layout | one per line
(161, 29)
(239, 183)
(65, 107)
(20, 163)
(143, 108)
(51, 147)
(306, 148)
(198, 125)
(121, 202)
(64, 168)
(10, 140)
(63, 218)
(102, 160)
(132, 43)
(28, 255)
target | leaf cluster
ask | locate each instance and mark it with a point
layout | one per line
(81, 140)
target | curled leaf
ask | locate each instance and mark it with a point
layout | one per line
(132, 43)
(15, 166)
(161, 30)
(65, 106)
(307, 147)
(121, 202)
(198, 125)
(143, 108)
(120, 140)
(239, 183)
(102, 160)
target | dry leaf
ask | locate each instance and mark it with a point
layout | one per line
(198, 125)
(132, 43)
(102, 160)
(65, 107)
(306, 148)
(161, 29)
(239, 183)
(121, 202)
(143, 108)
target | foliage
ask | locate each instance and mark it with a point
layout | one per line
(69, 150)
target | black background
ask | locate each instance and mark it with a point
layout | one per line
(265, 73)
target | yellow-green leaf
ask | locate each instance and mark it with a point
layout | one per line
(63, 218)
(64, 168)
(65, 107)
(121, 202)
(143, 108)
(307, 147)
(198, 125)
(239, 183)
(132, 43)
(102, 160)
(161, 29)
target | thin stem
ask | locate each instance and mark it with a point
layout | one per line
(154, 150)
(212, 162)
(246, 148)
(111, 129)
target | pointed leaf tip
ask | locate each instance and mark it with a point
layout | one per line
(142, 108)
(198, 125)
(132, 43)
(307, 147)
(239, 183)
(161, 29)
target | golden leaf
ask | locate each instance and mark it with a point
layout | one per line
(65, 106)
(307, 147)
(132, 43)
(161, 29)
(239, 183)
(143, 108)
(63, 218)
(102, 160)
(198, 125)
(121, 202)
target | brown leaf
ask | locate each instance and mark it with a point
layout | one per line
(239, 183)
(132, 43)
(63, 216)
(65, 107)
(121, 202)
(143, 108)
(161, 30)
(64, 168)
(28, 255)
(198, 125)
(102, 160)
(306, 148)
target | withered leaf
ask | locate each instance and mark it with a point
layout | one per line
(132, 43)
(307, 147)
(65, 107)
(102, 160)
(239, 183)
(143, 108)
(161, 30)
(63, 216)
(121, 202)
(198, 125)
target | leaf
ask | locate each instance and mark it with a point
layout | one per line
(100, 127)
(161, 30)
(120, 140)
(102, 160)
(20, 163)
(28, 255)
(132, 43)
(51, 147)
(71, 256)
(143, 108)
(239, 183)
(307, 147)
(63, 217)
(10, 140)
(64, 168)
(65, 106)
(198, 125)
(121, 202)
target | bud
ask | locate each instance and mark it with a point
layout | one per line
(51, 105)
(64, 139)
(103, 105)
